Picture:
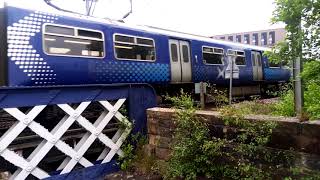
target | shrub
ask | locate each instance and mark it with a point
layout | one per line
(286, 105)
(196, 153)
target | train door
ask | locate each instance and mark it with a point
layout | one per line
(256, 66)
(180, 61)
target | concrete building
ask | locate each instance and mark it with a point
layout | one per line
(266, 38)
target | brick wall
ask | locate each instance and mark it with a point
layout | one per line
(304, 137)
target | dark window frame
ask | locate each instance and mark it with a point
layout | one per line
(213, 52)
(134, 44)
(75, 37)
(239, 38)
(237, 55)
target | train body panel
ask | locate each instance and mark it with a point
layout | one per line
(47, 49)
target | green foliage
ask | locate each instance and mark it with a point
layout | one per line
(191, 137)
(255, 107)
(131, 151)
(303, 28)
(286, 105)
(241, 154)
(311, 71)
(312, 99)
(302, 19)
(311, 96)
(218, 96)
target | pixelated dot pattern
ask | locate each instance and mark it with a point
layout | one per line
(122, 71)
(21, 51)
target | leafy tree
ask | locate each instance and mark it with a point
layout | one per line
(302, 20)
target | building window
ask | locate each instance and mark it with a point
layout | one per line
(264, 39)
(240, 58)
(238, 38)
(246, 39)
(134, 48)
(272, 38)
(223, 38)
(72, 41)
(212, 55)
(255, 39)
(230, 38)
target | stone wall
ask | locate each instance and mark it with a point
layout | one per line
(303, 137)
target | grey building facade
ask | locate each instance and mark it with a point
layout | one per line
(266, 38)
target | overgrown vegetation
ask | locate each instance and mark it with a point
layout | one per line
(135, 158)
(240, 152)
(302, 20)
(232, 156)
(311, 95)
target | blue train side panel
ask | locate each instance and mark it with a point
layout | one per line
(28, 65)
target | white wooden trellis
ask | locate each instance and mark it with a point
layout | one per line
(50, 139)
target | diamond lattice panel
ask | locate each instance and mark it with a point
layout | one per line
(29, 166)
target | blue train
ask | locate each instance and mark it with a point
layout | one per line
(62, 49)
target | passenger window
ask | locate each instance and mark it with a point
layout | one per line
(240, 58)
(212, 55)
(86, 44)
(90, 34)
(134, 48)
(174, 52)
(59, 30)
(185, 53)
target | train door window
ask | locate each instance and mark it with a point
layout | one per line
(134, 48)
(240, 58)
(185, 53)
(253, 60)
(174, 52)
(212, 55)
(259, 59)
(72, 41)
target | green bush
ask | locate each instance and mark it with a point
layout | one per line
(196, 153)
(285, 106)
(312, 101)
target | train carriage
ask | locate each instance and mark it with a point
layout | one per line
(46, 49)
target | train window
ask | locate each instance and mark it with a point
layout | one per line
(91, 34)
(59, 30)
(259, 59)
(212, 55)
(174, 52)
(185, 53)
(86, 43)
(124, 39)
(134, 48)
(240, 58)
(253, 59)
(144, 42)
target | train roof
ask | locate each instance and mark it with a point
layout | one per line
(155, 30)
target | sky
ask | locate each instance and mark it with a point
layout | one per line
(202, 17)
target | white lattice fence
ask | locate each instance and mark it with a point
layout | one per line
(74, 156)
